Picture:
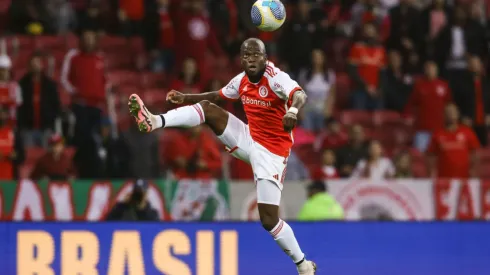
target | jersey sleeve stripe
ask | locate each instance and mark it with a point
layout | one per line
(269, 70)
(291, 94)
(222, 95)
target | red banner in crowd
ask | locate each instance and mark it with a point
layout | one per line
(462, 199)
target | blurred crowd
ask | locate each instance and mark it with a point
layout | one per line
(396, 88)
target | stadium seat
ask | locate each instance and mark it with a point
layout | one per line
(484, 169)
(154, 98)
(108, 43)
(21, 42)
(124, 77)
(152, 80)
(18, 73)
(70, 151)
(419, 169)
(484, 154)
(342, 88)
(119, 60)
(416, 155)
(350, 117)
(307, 154)
(72, 41)
(127, 90)
(59, 57)
(22, 59)
(240, 170)
(46, 42)
(137, 44)
(382, 118)
(4, 6)
(34, 153)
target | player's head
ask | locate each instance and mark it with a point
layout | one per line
(375, 149)
(370, 32)
(356, 134)
(253, 57)
(431, 69)
(475, 65)
(56, 144)
(36, 63)
(452, 114)
(316, 187)
(89, 40)
(328, 157)
(4, 115)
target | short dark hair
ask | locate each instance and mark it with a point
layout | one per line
(317, 185)
(37, 54)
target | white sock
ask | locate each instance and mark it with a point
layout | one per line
(284, 237)
(187, 116)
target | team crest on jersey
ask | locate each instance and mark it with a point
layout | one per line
(263, 91)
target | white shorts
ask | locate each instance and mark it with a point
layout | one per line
(265, 165)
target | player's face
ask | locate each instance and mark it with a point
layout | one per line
(89, 40)
(452, 114)
(475, 65)
(4, 115)
(36, 65)
(4, 74)
(375, 149)
(431, 70)
(328, 157)
(253, 59)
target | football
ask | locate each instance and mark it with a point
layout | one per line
(268, 15)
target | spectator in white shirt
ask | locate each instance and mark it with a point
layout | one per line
(375, 166)
(319, 82)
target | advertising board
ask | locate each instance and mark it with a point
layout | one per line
(220, 248)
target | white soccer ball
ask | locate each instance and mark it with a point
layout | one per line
(268, 15)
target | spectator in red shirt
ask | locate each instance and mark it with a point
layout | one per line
(367, 61)
(332, 137)
(56, 164)
(83, 77)
(188, 80)
(194, 34)
(130, 14)
(41, 105)
(429, 97)
(193, 153)
(11, 147)
(452, 148)
(327, 169)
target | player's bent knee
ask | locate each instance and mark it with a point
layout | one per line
(268, 216)
(205, 104)
(211, 110)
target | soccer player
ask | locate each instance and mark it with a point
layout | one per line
(271, 100)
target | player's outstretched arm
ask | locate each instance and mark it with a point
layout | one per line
(290, 119)
(177, 97)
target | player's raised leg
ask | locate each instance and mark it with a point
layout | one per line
(185, 117)
(268, 199)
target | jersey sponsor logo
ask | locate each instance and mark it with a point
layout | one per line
(263, 91)
(278, 86)
(257, 102)
(276, 176)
